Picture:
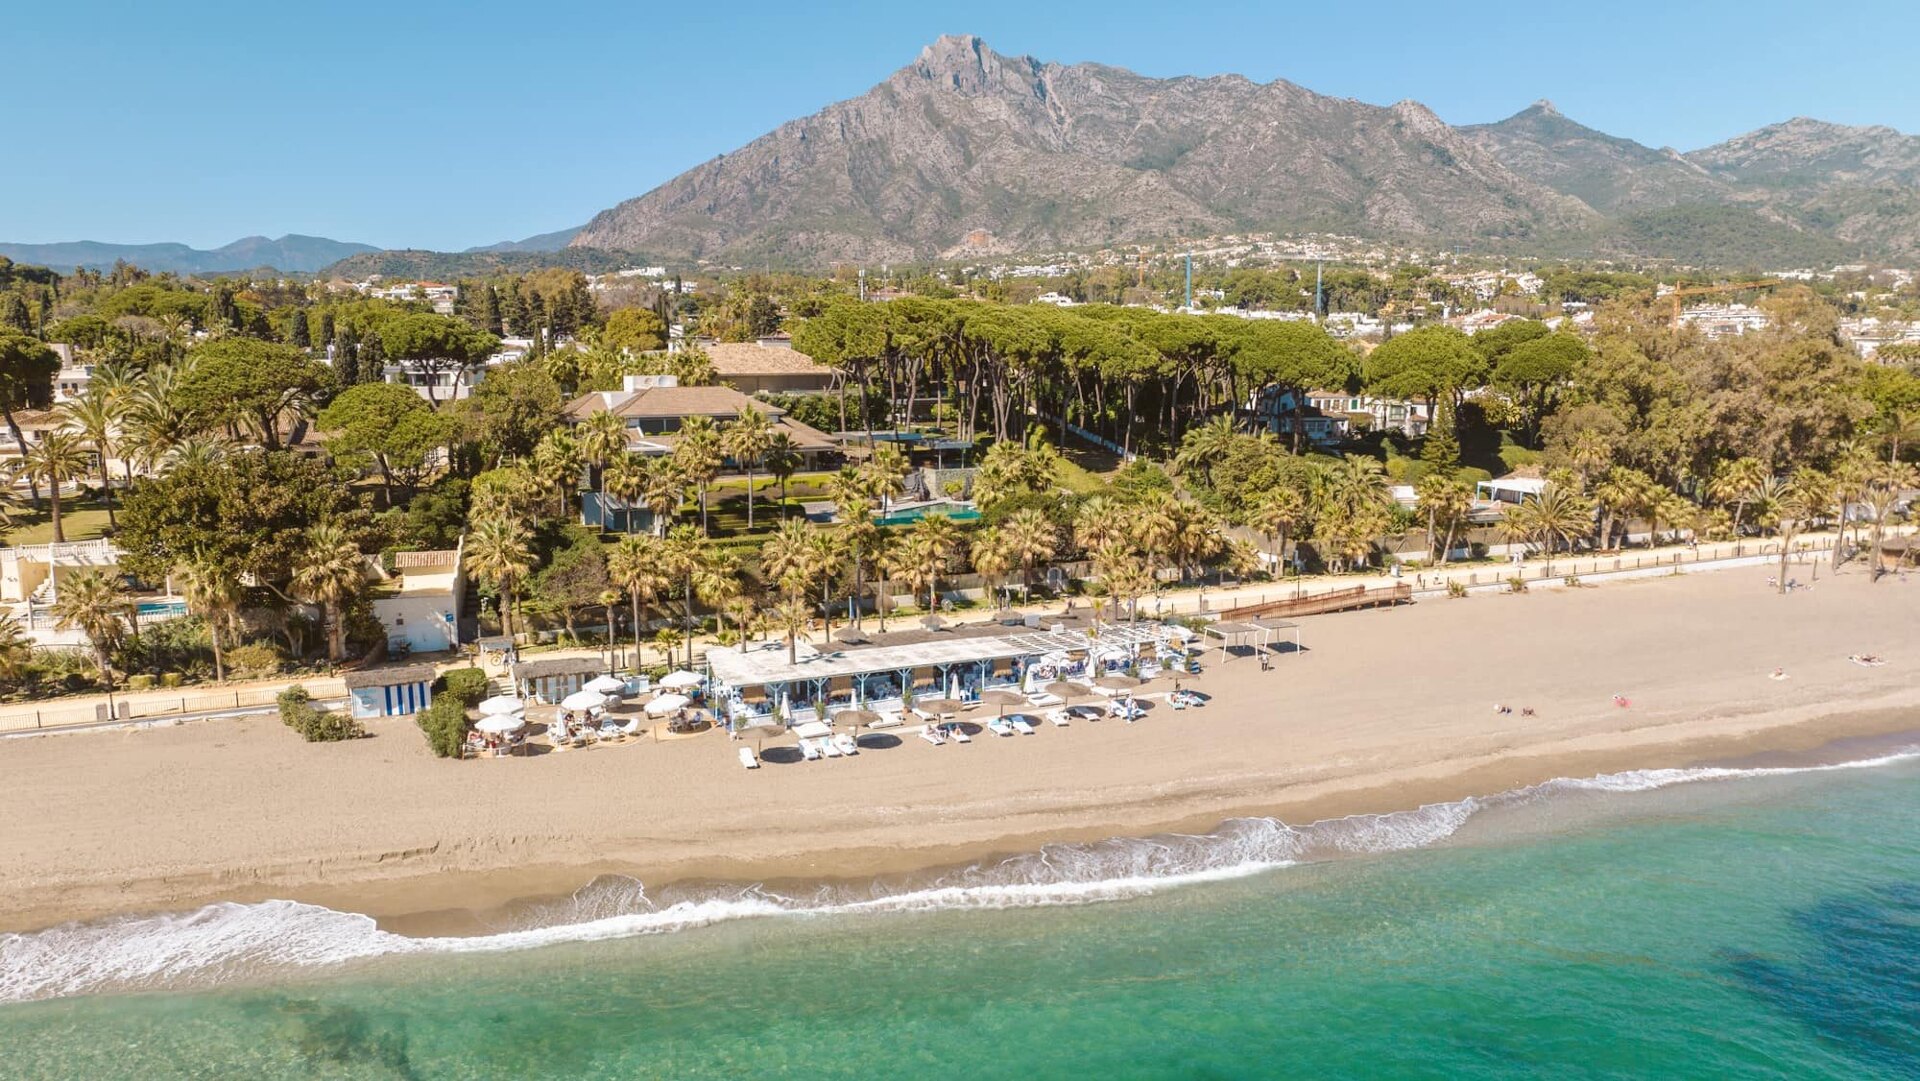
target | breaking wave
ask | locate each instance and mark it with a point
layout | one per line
(229, 941)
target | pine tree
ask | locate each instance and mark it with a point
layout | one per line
(1441, 451)
(300, 337)
(346, 361)
(373, 359)
(14, 313)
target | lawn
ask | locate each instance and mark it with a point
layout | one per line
(80, 520)
(1077, 478)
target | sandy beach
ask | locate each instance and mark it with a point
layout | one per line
(1385, 710)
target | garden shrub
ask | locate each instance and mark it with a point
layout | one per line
(172, 679)
(445, 726)
(140, 683)
(298, 712)
(467, 685)
(253, 659)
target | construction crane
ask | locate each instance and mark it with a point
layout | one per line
(1708, 290)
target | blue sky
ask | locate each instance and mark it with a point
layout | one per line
(444, 125)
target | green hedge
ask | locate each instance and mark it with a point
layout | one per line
(468, 685)
(314, 725)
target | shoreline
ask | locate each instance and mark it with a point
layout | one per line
(434, 848)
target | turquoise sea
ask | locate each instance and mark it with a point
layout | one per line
(1714, 923)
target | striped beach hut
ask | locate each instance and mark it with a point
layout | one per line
(390, 692)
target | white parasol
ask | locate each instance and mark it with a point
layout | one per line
(583, 700)
(502, 703)
(680, 679)
(499, 724)
(607, 684)
(813, 730)
(666, 703)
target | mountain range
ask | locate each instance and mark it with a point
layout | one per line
(968, 151)
(292, 253)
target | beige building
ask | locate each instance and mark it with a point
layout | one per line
(770, 365)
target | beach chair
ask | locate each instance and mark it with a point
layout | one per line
(847, 744)
(828, 747)
(959, 735)
(1041, 700)
(927, 733)
(1021, 725)
(1000, 726)
(808, 751)
(887, 720)
(1177, 701)
(1058, 717)
(749, 759)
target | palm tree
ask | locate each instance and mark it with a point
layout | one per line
(603, 440)
(1448, 501)
(1735, 483)
(1205, 444)
(57, 458)
(213, 592)
(329, 573)
(92, 602)
(1882, 496)
(16, 649)
(790, 558)
(623, 478)
(557, 461)
(194, 450)
(718, 584)
(498, 551)
(1900, 428)
(1126, 576)
(661, 490)
(1154, 524)
(1559, 516)
(992, 562)
(1801, 500)
(681, 558)
(853, 493)
(96, 417)
(1100, 520)
(933, 538)
(634, 566)
(1621, 495)
(830, 548)
(782, 460)
(696, 457)
(745, 441)
(1029, 537)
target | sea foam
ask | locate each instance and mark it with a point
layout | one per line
(224, 942)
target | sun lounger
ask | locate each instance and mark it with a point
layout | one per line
(1086, 713)
(847, 744)
(887, 720)
(1021, 725)
(828, 747)
(1058, 717)
(1041, 700)
(748, 758)
(959, 735)
(1000, 726)
(808, 751)
(931, 736)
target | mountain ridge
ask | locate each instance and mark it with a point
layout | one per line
(292, 253)
(965, 150)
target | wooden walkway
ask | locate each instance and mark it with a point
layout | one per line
(1313, 604)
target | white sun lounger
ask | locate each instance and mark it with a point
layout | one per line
(887, 720)
(1000, 726)
(808, 751)
(1041, 700)
(1058, 717)
(959, 735)
(748, 758)
(847, 744)
(1021, 725)
(828, 747)
(931, 736)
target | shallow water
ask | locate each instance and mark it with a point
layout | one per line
(1728, 924)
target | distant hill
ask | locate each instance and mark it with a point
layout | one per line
(553, 241)
(439, 265)
(968, 152)
(293, 254)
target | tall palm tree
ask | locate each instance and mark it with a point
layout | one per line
(853, 492)
(1155, 524)
(194, 450)
(1126, 576)
(59, 457)
(328, 573)
(992, 562)
(696, 457)
(782, 460)
(558, 461)
(603, 439)
(96, 417)
(1204, 445)
(1882, 496)
(1029, 537)
(634, 566)
(92, 602)
(718, 583)
(745, 441)
(1099, 520)
(498, 551)
(1197, 535)
(212, 592)
(1448, 501)
(1801, 500)
(930, 544)
(1734, 485)
(1559, 515)
(681, 558)
(830, 548)
(624, 478)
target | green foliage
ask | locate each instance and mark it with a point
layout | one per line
(511, 409)
(142, 682)
(387, 424)
(254, 659)
(315, 725)
(636, 330)
(252, 385)
(468, 686)
(445, 725)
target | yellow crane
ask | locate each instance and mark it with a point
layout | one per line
(1678, 295)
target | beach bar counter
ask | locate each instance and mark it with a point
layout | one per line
(390, 692)
(757, 683)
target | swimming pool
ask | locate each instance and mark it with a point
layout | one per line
(162, 608)
(914, 514)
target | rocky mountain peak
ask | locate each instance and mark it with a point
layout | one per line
(965, 63)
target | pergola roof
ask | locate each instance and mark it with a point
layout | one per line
(762, 665)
